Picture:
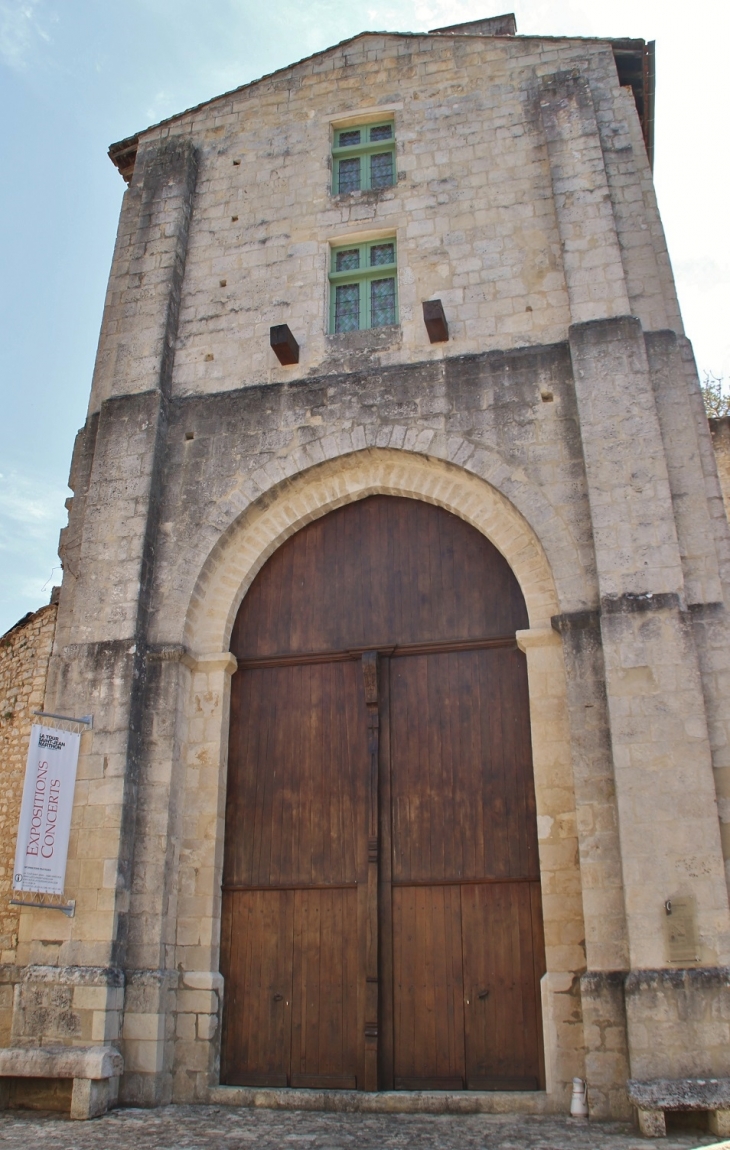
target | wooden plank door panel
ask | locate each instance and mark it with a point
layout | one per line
(325, 990)
(354, 939)
(258, 980)
(462, 783)
(297, 777)
(463, 808)
(379, 571)
(502, 967)
(296, 850)
(428, 1021)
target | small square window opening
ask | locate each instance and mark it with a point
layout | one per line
(363, 286)
(364, 158)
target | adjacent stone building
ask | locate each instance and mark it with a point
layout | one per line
(396, 481)
(24, 653)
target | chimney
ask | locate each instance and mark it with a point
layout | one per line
(493, 26)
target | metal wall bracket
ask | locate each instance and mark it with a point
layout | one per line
(69, 908)
(87, 721)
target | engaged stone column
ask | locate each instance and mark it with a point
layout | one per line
(700, 561)
(669, 831)
(594, 273)
(100, 660)
(670, 839)
(662, 766)
(560, 876)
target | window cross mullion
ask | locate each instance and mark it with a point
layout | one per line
(363, 149)
(376, 272)
(360, 167)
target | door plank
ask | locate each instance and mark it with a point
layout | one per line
(258, 979)
(462, 787)
(502, 1010)
(428, 1019)
(382, 569)
(325, 973)
(296, 795)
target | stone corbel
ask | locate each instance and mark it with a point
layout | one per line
(542, 636)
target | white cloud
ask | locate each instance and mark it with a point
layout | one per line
(31, 514)
(31, 502)
(22, 24)
(703, 286)
(162, 105)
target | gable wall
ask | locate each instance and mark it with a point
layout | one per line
(524, 202)
(473, 209)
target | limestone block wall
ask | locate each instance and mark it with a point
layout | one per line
(472, 211)
(557, 419)
(24, 655)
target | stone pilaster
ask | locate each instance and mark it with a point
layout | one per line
(699, 551)
(653, 559)
(100, 663)
(594, 273)
(669, 831)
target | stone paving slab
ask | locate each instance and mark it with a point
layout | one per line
(226, 1128)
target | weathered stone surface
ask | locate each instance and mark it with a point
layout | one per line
(92, 1097)
(692, 1008)
(24, 655)
(209, 1127)
(561, 419)
(720, 429)
(652, 1123)
(680, 1093)
(387, 1101)
(61, 1062)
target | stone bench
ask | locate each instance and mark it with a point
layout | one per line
(652, 1099)
(95, 1071)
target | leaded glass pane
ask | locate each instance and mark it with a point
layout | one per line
(381, 170)
(382, 302)
(382, 132)
(348, 139)
(349, 175)
(347, 261)
(382, 254)
(347, 307)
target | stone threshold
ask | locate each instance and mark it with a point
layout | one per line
(388, 1101)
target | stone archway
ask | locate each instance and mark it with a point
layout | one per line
(382, 915)
(290, 504)
(220, 588)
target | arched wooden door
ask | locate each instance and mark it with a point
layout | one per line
(381, 896)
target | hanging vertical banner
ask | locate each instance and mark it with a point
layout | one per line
(45, 814)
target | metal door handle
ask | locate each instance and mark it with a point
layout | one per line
(483, 994)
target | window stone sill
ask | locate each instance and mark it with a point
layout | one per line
(368, 339)
(370, 196)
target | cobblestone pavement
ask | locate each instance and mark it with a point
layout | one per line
(227, 1128)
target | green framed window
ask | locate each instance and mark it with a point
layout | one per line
(363, 286)
(363, 157)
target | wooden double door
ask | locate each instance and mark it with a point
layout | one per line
(382, 919)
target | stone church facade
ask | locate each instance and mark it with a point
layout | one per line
(537, 437)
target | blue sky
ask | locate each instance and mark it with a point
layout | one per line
(77, 75)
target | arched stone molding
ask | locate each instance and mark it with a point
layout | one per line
(290, 503)
(220, 588)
